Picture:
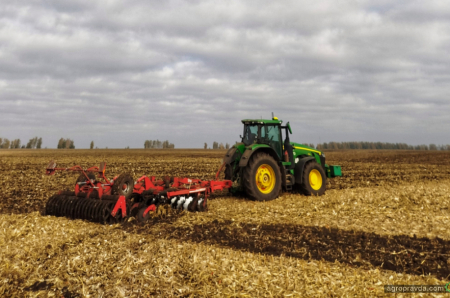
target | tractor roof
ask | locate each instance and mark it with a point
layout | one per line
(261, 121)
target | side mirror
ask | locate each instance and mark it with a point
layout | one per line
(289, 127)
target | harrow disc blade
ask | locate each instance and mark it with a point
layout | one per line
(188, 203)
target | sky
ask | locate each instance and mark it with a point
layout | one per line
(122, 72)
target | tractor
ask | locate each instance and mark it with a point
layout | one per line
(262, 164)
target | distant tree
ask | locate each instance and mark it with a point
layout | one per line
(205, 146)
(61, 143)
(92, 145)
(66, 144)
(215, 145)
(221, 146)
(227, 146)
(433, 147)
(5, 144)
(32, 143)
(15, 144)
(39, 143)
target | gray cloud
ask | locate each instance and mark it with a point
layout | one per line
(119, 72)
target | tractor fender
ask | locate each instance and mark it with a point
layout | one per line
(298, 169)
(246, 157)
(230, 156)
(248, 153)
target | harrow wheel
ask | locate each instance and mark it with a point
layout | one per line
(123, 186)
(140, 215)
(82, 178)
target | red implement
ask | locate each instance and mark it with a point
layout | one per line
(101, 199)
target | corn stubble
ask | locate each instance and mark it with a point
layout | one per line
(384, 222)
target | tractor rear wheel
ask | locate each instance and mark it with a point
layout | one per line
(262, 177)
(314, 179)
(123, 186)
(232, 175)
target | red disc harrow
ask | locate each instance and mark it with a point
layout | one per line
(99, 199)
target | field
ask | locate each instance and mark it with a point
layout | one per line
(384, 222)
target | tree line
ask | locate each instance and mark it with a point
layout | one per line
(216, 145)
(34, 143)
(356, 145)
(157, 144)
(379, 145)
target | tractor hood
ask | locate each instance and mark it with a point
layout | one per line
(307, 148)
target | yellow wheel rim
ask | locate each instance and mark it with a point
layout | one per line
(265, 178)
(315, 179)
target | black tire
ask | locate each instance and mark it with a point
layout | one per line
(229, 175)
(307, 185)
(94, 194)
(228, 172)
(140, 215)
(123, 186)
(250, 182)
(82, 178)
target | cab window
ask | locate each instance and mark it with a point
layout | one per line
(250, 134)
(270, 135)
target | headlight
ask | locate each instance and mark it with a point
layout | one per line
(323, 155)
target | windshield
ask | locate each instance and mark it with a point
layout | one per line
(250, 134)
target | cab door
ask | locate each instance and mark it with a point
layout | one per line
(271, 134)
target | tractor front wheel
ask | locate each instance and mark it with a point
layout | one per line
(314, 179)
(262, 177)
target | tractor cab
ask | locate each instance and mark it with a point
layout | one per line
(268, 132)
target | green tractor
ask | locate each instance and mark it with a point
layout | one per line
(262, 164)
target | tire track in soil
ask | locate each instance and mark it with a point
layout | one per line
(400, 253)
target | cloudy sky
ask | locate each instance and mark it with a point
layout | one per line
(121, 72)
